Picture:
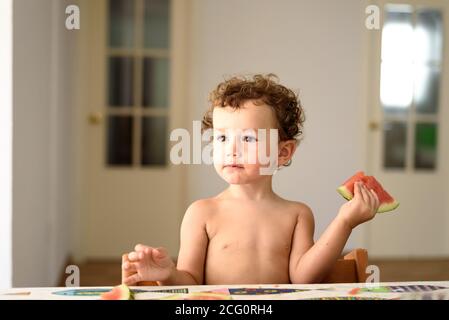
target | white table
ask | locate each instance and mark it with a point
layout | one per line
(355, 291)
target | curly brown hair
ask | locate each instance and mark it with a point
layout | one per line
(261, 89)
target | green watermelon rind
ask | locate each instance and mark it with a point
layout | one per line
(345, 192)
(385, 207)
(126, 293)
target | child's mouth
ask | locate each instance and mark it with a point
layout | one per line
(234, 166)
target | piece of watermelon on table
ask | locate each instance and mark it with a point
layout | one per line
(121, 292)
(387, 202)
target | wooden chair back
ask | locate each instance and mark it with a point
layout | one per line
(349, 269)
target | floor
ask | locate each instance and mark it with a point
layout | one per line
(107, 273)
(413, 270)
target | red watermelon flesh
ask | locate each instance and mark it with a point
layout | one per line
(387, 202)
(121, 292)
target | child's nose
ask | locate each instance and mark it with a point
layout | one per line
(232, 147)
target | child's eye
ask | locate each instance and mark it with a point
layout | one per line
(249, 139)
(221, 138)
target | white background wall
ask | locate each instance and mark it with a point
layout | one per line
(315, 47)
(41, 149)
(6, 144)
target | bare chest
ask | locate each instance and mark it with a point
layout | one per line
(251, 233)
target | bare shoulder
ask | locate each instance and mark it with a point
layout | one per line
(200, 210)
(301, 210)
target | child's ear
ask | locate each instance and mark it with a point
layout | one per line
(286, 151)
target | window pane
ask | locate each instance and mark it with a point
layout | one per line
(396, 87)
(428, 35)
(155, 82)
(121, 23)
(119, 140)
(157, 24)
(427, 89)
(396, 83)
(154, 140)
(425, 145)
(397, 34)
(121, 78)
(395, 144)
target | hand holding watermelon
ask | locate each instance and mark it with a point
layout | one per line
(364, 188)
(361, 208)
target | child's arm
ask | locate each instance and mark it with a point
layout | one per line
(193, 246)
(154, 264)
(312, 264)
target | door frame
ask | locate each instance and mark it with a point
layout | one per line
(373, 114)
(181, 13)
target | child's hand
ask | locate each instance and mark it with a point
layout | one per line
(147, 264)
(361, 208)
(125, 273)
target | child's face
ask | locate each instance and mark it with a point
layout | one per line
(236, 141)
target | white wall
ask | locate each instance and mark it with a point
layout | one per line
(6, 144)
(313, 46)
(63, 47)
(40, 148)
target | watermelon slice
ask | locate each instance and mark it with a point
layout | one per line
(121, 292)
(387, 202)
